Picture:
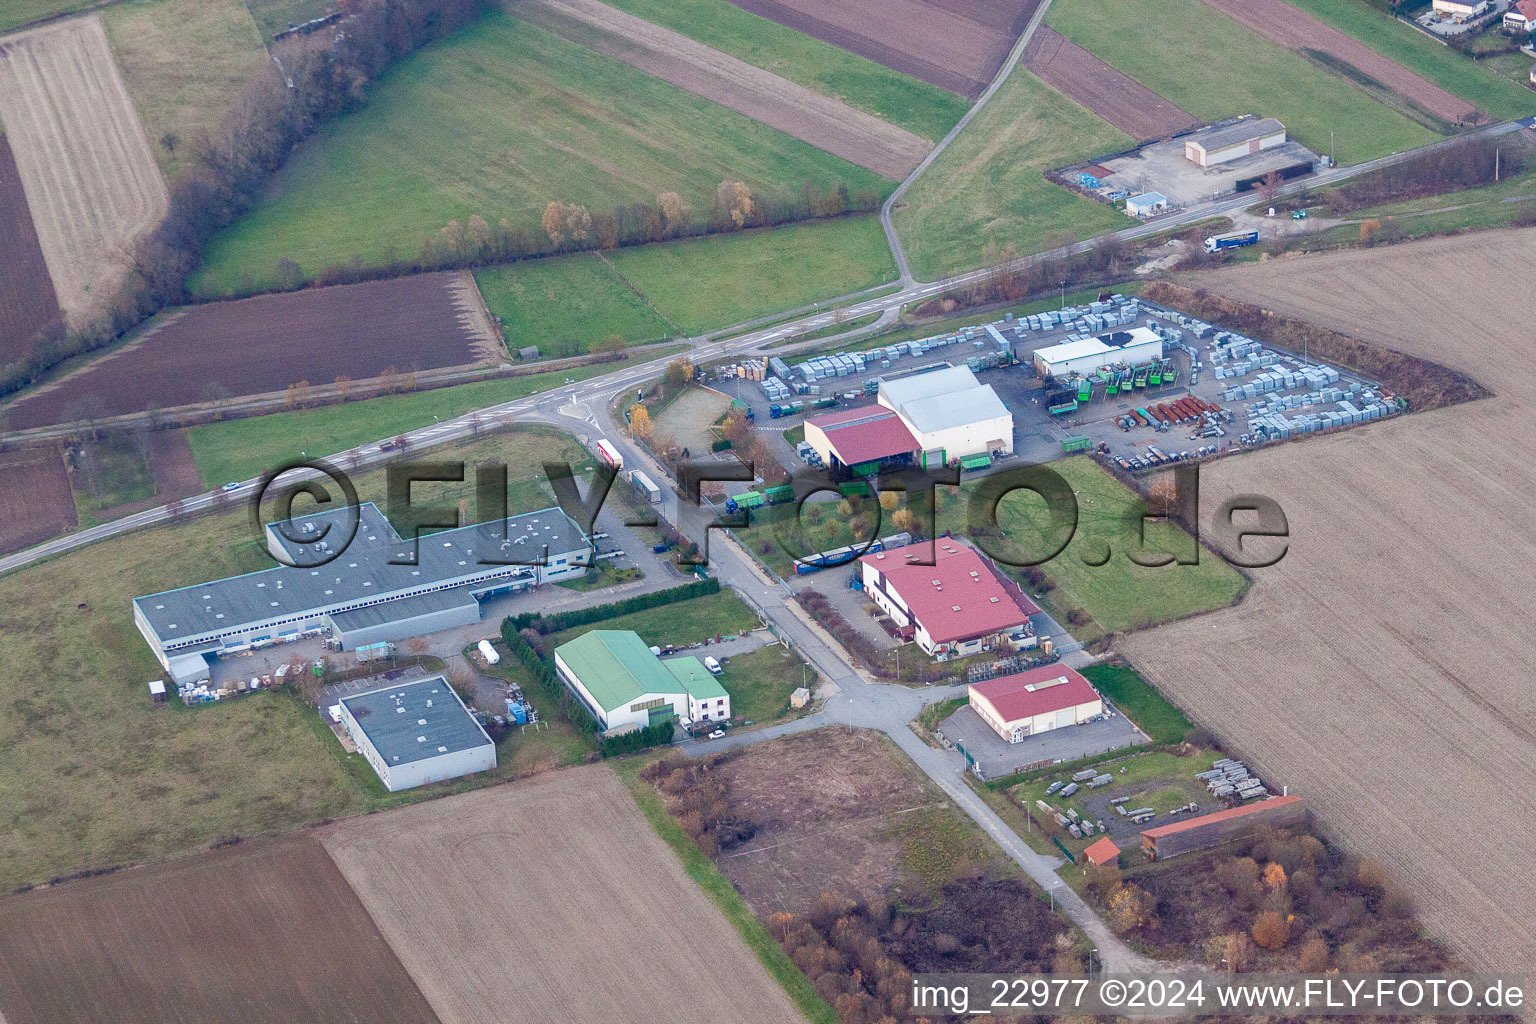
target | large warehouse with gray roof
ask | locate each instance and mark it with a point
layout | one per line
(415, 733)
(379, 586)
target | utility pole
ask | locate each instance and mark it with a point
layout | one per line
(1331, 161)
(1063, 295)
(1495, 164)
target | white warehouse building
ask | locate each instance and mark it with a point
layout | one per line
(1134, 347)
(950, 413)
(416, 733)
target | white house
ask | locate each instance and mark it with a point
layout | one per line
(1521, 18)
(1460, 10)
(1146, 204)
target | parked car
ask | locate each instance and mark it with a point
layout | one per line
(717, 734)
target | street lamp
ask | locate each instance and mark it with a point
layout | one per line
(1053, 897)
(1090, 960)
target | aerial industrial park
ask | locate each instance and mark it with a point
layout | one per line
(795, 508)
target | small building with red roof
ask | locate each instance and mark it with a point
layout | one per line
(956, 606)
(1521, 17)
(1102, 852)
(862, 439)
(1026, 704)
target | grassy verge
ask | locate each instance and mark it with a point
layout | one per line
(20, 12)
(920, 108)
(216, 50)
(241, 449)
(987, 191)
(605, 575)
(1215, 68)
(1411, 48)
(497, 122)
(708, 283)
(1142, 704)
(725, 897)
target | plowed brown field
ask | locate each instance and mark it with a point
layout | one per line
(264, 344)
(268, 932)
(27, 302)
(90, 177)
(957, 45)
(550, 900)
(1383, 668)
(1295, 29)
(1113, 95)
(35, 500)
(806, 114)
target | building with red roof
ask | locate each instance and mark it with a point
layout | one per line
(1025, 704)
(952, 608)
(1210, 830)
(866, 437)
(1521, 17)
(1102, 852)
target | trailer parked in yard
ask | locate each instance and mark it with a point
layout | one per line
(1231, 240)
(646, 486)
(608, 453)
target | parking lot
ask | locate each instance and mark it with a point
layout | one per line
(997, 757)
(1162, 167)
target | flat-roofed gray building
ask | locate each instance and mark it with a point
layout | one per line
(416, 733)
(379, 587)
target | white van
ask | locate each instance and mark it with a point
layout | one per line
(712, 665)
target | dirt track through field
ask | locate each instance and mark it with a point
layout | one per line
(550, 900)
(85, 163)
(810, 116)
(1295, 29)
(263, 933)
(1113, 95)
(1382, 669)
(957, 45)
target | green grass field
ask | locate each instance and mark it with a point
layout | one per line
(1119, 594)
(709, 283)
(217, 50)
(987, 190)
(15, 13)
(243, 449)
(760, 683)
(681, 624)
(1140, 702)
(498, 121)
(565, 305)
(920, 108)
(1502, 99)
(1215, 68)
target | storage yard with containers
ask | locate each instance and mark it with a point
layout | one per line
(1135, 383)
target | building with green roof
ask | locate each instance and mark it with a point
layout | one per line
(622, 683)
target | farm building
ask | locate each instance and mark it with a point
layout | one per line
(1134, 347)
(950, 413)
(955, 607)
(1223, 142)
(1146, 204)
(1210, 830)
(1459, 10)
(1102, 852)
(622, 683)
(861, 441)
(416, 733)
(377, 587)
(1028, 703)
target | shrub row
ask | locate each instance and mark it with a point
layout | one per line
(545, 624)
(549, 686)
(654, 735)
